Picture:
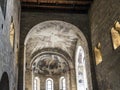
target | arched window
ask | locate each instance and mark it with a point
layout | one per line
(81, 70)
(36, 84)
(3, 4)
(62, 83)
(49, 84)
(4, 82)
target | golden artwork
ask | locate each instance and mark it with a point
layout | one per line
(98, 55)
(115, 32)
(12, 31)
(117, 26)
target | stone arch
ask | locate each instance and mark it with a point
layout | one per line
(77, 30)
(4, 82)
(39, 58)
(45, 37)
(62, 83)
(36, 82)
(51, 53)
(80, 38)
(81, 78)
(49, 81)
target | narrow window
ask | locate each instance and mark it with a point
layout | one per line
(36, 84)
(62, 83)
(81, 77)
(3, 4)
(49, 84)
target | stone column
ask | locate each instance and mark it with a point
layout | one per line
(56, 82)
(73, 85)
(42, 82)
(28, 80)
(67, 78)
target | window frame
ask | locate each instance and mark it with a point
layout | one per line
(36, 83)
(52, 84)
(62, 81)
(81, 79)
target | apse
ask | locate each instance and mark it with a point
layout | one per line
(51, 51)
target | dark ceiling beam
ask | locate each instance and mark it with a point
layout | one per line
(56, 6)
(79, 5)
(79, 2)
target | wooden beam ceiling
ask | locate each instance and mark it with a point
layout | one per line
(80, 5)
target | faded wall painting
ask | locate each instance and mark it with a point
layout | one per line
(50, 65)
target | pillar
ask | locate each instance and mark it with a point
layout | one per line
(28, 80)
(73, 85)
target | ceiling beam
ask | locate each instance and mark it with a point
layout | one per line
(80, 5)
(80, 2)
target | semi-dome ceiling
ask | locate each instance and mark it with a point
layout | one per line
(50, 65)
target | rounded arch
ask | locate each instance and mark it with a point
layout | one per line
(76, 29)
(4, 82)
(80, 54)
(51, 53)
(62, 83)
(58, 63)
(55, 30)
(49, 84)
(72, 32)
(61, 53)
(81, 77)
(36, 83)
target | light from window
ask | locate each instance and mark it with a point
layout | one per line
(49, 84)
(62, 83)
(80, 70)
(36, 84)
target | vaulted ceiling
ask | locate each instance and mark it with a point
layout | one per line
(79, 5)
(50, 47)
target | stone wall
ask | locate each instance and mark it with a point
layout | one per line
(7, 53)
(103, 15)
